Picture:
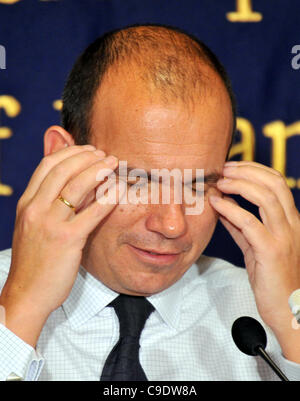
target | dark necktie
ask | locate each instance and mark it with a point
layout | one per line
(122, 364)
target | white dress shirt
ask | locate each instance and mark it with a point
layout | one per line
(187, 337)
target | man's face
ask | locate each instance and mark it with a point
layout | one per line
(148, 134)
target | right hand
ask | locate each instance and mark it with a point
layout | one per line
(49, 237)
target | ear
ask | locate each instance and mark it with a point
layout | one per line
(56, 138)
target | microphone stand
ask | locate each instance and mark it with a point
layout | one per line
(261, 352)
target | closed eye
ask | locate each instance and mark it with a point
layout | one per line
(141, 182)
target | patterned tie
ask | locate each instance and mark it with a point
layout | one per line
(122, 364)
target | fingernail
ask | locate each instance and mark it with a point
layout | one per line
(99, 153)
(111, 161)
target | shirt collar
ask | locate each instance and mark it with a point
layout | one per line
(89, 296)
(168, 303)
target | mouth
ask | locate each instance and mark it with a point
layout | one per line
(155, 256)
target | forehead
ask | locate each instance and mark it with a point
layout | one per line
(149, 131)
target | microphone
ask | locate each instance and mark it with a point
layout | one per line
(250, 338)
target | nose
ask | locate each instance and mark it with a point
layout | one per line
(168, 220)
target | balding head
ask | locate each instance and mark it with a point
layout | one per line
(169, 63)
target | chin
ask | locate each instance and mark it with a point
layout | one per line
(146, 284)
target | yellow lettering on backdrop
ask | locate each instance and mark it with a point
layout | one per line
(279, 133)
(247, 145)
(12, 108)
(244, 13)
(57, 104)
(8, 1)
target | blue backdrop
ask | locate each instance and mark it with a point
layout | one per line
(257, 41)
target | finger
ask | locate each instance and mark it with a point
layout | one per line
(239, 239)
(273, 217)
(88, 219)
(46, 164)
(77, 189)
(91, 196)
(267, 177)
(235, 233)
(254, 164)
(59, 176)
(254, 231)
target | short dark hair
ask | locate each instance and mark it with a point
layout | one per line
(135, 43)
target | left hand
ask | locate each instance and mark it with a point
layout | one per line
(271, 247)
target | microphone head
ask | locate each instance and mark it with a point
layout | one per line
(248, 334)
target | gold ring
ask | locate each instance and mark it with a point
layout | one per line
(66, 202)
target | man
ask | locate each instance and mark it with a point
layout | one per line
(156, 98)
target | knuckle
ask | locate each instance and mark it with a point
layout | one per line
(74, 147)
(250, 221)
(30, 213)
(78, 147)
(30, 221)
(277, 172)
(58, 170)
(73, 187)
(20, 205)
(27, 219)
(280, 180)
(89, 155)
(271, 198)
(47, 161)
(279, 177)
